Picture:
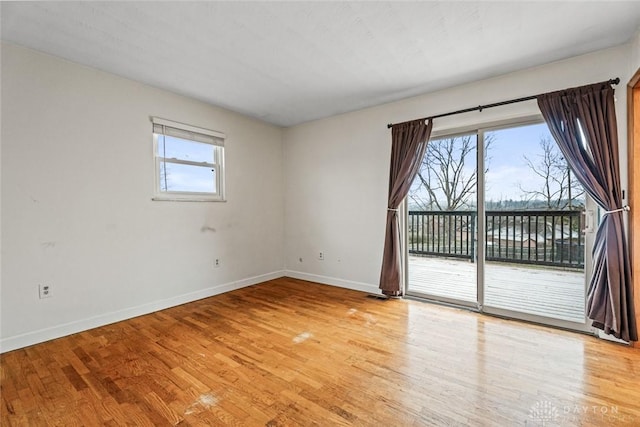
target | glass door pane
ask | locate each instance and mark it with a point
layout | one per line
(442, 222)
(534, 222)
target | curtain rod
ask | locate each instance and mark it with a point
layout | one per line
(496, 104)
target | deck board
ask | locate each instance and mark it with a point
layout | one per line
(541, 291)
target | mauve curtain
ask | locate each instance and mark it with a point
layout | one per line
(408, 144)
(590, 111)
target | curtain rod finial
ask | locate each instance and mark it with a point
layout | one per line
(615, 81)
(389, 126)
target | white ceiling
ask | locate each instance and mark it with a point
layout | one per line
(292, 62)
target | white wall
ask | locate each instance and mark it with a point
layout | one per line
(77, 182)
(635, 52)
(337, 169)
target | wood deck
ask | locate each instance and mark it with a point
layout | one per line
(536, 290)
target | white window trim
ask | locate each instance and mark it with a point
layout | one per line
(183, 196)
(188, 128)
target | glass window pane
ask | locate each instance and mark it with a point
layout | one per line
(534, 256)
(526, 170)
(441, 222)
(186, 178)
(446, 180)
(175, 148)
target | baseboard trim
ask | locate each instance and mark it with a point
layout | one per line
(333, 281)
(42, 335)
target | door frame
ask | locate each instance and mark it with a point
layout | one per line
(633, 158)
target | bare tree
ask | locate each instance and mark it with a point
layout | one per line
(558, 189)
(447, 176)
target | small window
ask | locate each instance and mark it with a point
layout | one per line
(189, 162)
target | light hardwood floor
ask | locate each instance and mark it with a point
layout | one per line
(288, 352)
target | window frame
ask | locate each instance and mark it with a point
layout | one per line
(199, 136)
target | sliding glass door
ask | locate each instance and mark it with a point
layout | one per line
(534, 228)
(496, 221)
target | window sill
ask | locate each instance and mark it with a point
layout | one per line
(185, 199)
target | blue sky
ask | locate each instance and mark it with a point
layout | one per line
(507, 166)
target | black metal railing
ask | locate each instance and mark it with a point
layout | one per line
(542, 237)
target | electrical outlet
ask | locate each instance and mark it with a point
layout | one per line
(321, 256)
(44, 290)
(216, 263)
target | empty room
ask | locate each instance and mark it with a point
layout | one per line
(320, 213)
